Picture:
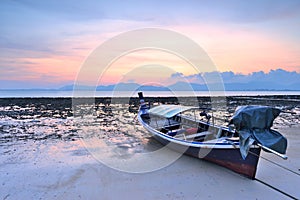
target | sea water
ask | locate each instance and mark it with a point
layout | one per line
(58, 93)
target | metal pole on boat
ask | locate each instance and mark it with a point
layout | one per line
(274, 152)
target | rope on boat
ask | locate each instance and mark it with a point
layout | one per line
(278, 165)
(276, 189)
(281, 166)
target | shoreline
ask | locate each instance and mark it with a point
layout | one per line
(164, 99)
(19, 114)
(71, 93)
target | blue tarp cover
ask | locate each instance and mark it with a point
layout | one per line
(253, 123)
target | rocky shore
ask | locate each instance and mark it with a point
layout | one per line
(43, 118)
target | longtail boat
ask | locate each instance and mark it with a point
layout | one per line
(236, 147)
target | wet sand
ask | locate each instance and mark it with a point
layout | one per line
(48, 154)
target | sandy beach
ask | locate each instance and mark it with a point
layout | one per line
(48, 154)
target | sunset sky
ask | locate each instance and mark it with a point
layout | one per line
(43, 44)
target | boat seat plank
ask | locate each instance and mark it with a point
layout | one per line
(201, 134)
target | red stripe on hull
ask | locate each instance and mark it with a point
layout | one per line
(243, 169)
(229, 158)
(232, 159)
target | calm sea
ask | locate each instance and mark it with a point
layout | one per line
(53, 93)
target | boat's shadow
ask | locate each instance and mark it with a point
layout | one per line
(152, 144)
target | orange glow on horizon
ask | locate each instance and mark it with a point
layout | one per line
(155, 66)
(240, 51)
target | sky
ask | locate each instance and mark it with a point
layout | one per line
(44, 44)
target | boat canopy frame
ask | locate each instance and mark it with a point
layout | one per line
(169, 111)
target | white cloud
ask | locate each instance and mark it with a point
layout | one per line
(273, 76)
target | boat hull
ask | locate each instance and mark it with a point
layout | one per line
(226, 157)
